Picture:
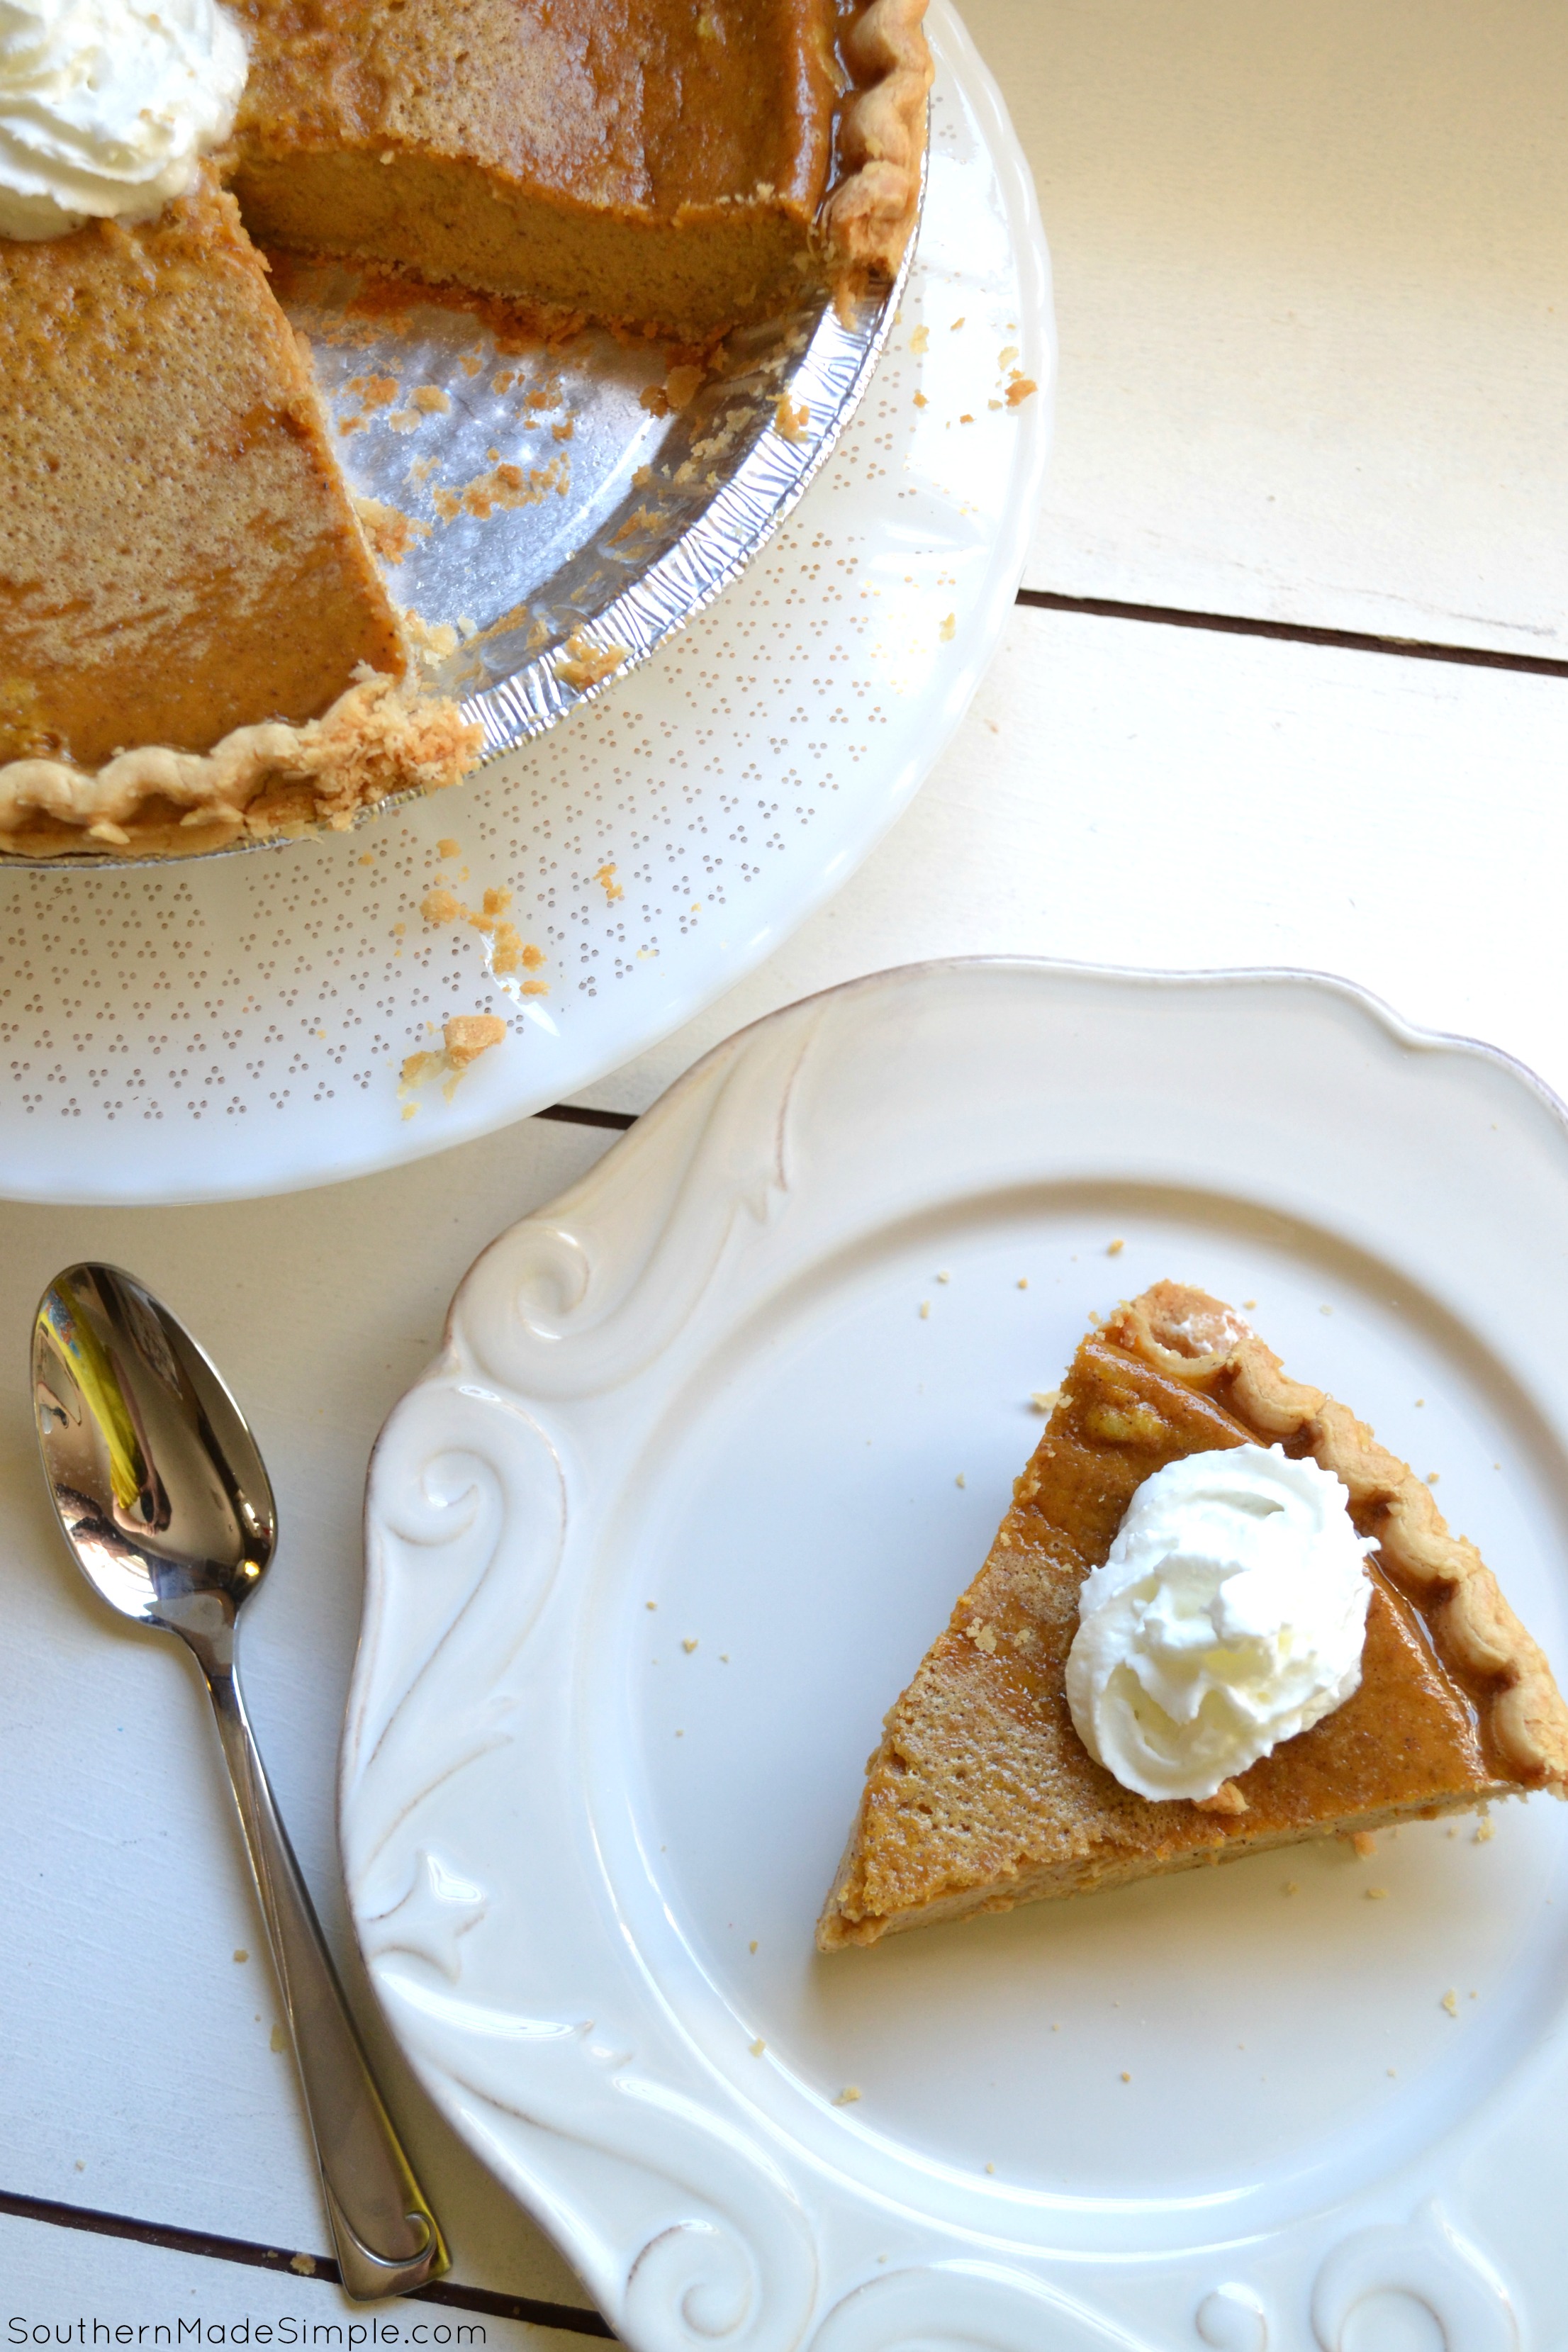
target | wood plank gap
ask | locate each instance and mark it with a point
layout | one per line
(568, 2316)
(577, 1117)
(1297, 632)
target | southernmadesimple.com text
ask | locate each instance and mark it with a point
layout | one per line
(350, 2334)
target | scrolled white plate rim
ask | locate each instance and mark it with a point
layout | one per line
(556, 1969)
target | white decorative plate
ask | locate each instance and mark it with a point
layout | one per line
(237, 1025)
(714, 1445)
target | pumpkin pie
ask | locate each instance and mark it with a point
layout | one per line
(982, 1795)
(195, 641)
(192, 634)
(653, 164)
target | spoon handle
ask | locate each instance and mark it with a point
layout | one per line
(387, 2238)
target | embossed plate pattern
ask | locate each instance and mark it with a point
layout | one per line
(238, 1026)
(713, 1444)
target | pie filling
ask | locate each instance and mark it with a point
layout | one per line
(982, 1794)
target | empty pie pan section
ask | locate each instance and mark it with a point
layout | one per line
(752, 1396)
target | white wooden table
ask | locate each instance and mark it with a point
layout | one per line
(1314, 326)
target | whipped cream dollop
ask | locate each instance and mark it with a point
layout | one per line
(106, 106)
(1230, 1615)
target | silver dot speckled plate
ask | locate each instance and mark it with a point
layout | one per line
(240, 1025)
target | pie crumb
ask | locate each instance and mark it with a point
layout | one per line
(683, 384)
(305, 2264)
(1044, 1399)
(584, 665)
(848, 2095)
(1114, 1249)
(959, 1480)
(1451, 2002)
(790, 420)
(469, 1034)
(759, 2045)
(241, 1954)
(1375, 1894)
(1125, 2075)
(752, 1944)
(991, 2168)
(1023, 1281)
(689, 1644)
(949, 629)
(925, 1310)
(1291, 1887)
(944, 1277)
(1364, 1842)
(1483, 1831)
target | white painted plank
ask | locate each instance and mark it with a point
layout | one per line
(1311, 278)
(1132, 793)
(1118, 792)
(134, 2047)
(59, 2280)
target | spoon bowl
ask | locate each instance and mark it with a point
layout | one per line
(164, 1502)
(159, 1486)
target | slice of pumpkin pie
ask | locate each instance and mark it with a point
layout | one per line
(195, 641)
(1166, 1662)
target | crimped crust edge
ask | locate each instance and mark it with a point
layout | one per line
(380, 736)
(1207, 1344)
(868, 218)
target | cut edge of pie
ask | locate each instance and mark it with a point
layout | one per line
(726, 176)
(933, 1841)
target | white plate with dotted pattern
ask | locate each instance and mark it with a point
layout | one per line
(240, 1026)
(714, 1442)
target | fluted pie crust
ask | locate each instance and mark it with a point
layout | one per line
(663, 167)
(982, 1795)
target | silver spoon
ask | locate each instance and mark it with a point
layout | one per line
(166, 1506)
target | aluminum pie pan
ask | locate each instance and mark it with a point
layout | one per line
(543, 528)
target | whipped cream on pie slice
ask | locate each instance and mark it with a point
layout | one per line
(107, 106)
(1229, 1615)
